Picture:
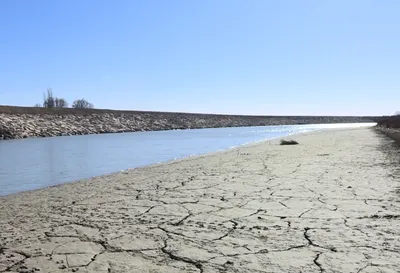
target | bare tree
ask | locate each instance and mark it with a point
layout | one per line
(49, 101)
(37, 105)
(82, 103)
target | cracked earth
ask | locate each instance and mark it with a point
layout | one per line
(330, 204)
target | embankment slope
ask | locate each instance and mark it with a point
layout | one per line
(23, 122)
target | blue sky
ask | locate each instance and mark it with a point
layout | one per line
(211, 56)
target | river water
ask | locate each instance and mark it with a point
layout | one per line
(29, 164)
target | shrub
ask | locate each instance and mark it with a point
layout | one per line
(82, 103)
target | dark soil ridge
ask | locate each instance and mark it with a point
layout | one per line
(390, 122)
(390, 126)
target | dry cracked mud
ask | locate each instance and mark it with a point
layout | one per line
(330, 204)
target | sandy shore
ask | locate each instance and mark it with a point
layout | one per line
(327, 205)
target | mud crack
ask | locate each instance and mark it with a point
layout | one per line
(311, 243)
(318, 263)
(172, 256)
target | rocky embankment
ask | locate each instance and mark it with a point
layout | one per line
(24, 122)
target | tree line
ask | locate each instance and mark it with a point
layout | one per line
(50, 101)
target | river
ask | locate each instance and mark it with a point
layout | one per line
(29, 164)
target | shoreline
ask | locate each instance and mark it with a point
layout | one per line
(272, 141)
(311, 207)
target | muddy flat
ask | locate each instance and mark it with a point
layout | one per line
(329, 204)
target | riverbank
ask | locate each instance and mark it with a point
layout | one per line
(328, 204)
(25, 122)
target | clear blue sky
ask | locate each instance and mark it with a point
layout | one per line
(337, 57)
